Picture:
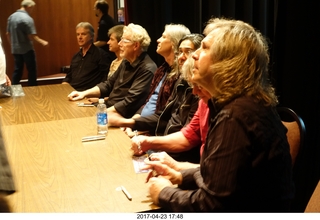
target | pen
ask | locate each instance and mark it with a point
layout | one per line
(126, 193)
(93, 138)
(81, 104)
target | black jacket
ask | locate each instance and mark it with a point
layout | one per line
(180, 109)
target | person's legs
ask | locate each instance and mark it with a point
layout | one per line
(30, 59)
(18, 68)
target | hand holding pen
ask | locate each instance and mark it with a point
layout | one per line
(163, 171)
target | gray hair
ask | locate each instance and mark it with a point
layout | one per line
(87, 26)
(117, 30)
(138, 34)
(186, 70)
(28, 3)
(176, 32)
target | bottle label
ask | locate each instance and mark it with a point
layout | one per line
(102, 118)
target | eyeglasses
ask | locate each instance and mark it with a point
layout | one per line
(185, 53)
(125, 40)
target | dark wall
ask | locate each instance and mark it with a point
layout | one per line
(153, 15)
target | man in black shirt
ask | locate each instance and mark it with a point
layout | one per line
(89, 66)
(129, 86)
(106, 22)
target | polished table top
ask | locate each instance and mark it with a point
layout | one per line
(55, 172)
(42, 103)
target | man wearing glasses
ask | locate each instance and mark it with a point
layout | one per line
(128, 88)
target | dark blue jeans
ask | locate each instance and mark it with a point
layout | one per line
(29, 59)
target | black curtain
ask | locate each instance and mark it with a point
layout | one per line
(291, 27)
(296, 75)
(153, 15)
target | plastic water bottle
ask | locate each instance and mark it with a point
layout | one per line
(102, 117)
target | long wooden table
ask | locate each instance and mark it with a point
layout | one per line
(53, 170)
(42, 103)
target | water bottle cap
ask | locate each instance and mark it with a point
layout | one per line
(101, 101)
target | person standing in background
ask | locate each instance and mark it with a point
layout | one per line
(121, 19)
(21, 33)
(101, 8)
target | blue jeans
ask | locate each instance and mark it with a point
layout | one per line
(29, 59)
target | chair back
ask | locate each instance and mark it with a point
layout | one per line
(296, 130)
(314, 201)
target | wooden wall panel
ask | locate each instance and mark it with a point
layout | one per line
(55, 21)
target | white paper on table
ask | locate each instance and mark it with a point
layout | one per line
(138, 163)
